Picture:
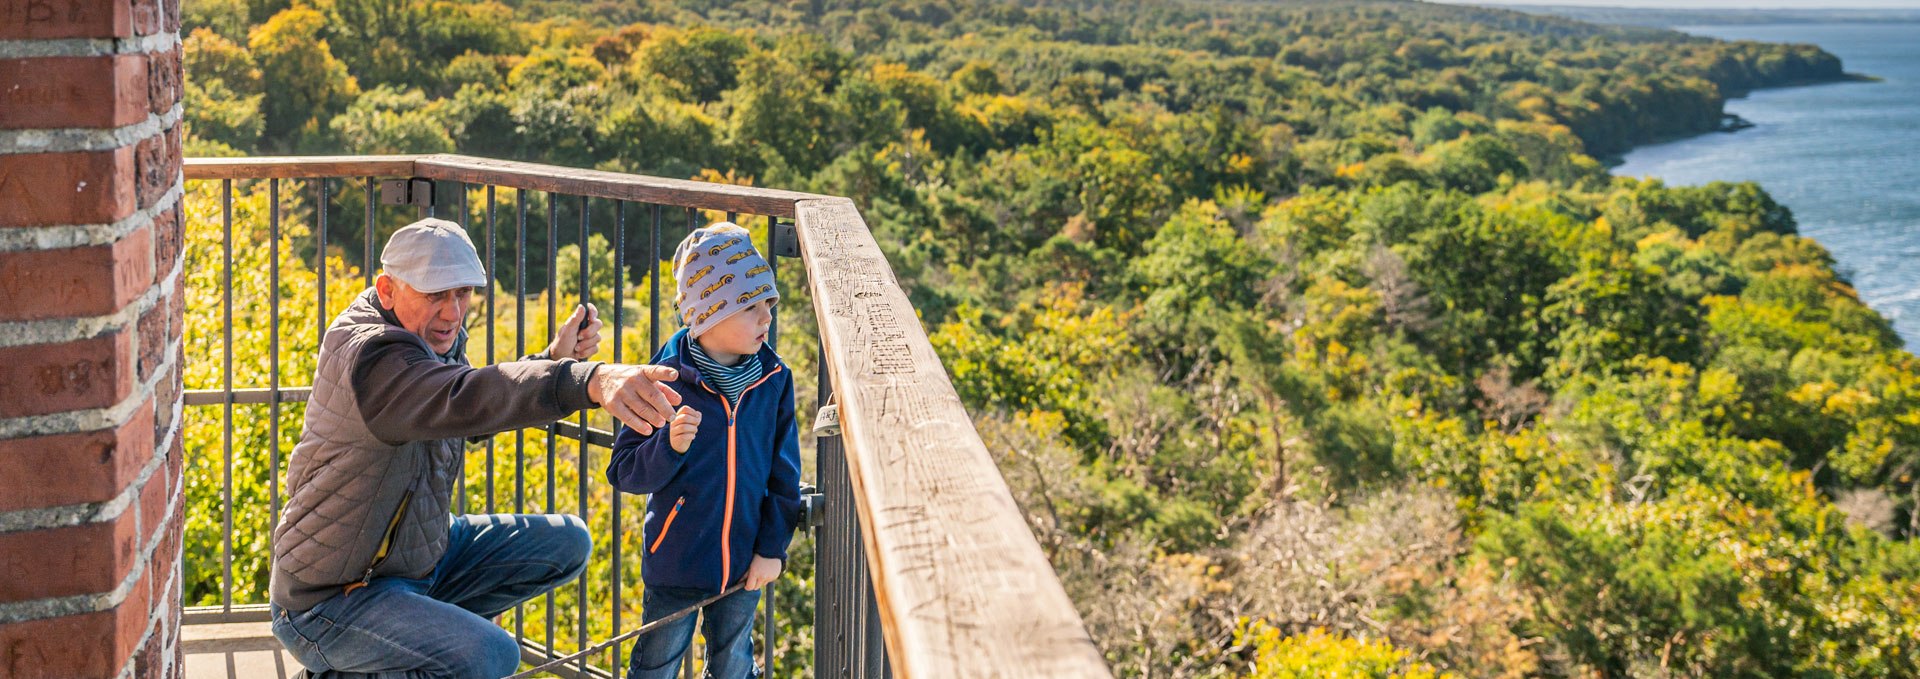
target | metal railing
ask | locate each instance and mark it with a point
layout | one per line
(859, 612)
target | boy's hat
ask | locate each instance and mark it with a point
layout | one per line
(719, 273)
(431, 255)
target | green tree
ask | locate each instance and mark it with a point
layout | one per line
(305, 85)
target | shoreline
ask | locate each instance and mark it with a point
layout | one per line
(1731, 123)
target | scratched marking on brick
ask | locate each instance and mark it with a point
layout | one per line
(50, 18)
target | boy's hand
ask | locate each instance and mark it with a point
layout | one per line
(686, 423)
(762, 571)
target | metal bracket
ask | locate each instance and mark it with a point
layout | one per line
(416, 191)
(813, 506)
(786, 239)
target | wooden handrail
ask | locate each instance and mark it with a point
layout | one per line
(963, 588)
(615, 185)
(510, 174)
(299, 167)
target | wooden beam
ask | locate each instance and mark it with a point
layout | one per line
(964, 589)
(299, 167)
(615, 185)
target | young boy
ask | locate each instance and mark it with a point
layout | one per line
(724, 475)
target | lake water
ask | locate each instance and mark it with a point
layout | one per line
(1845, 157)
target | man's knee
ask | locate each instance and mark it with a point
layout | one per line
(494, 654)
(573, 545)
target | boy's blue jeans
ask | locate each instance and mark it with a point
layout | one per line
(727, 624)
(439, 627)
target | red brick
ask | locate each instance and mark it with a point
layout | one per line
(101, 644)
(91, 92)
(163, 565)
(154, 499)
(52, 378)
(39, 284)
(158, 165)
(166, 393)
(66, 469)
(164, 591)
(171, 14)
(163, 80)
(147, 663)
(43, 189)
(73, 646)
(71, 560)
(153, 341)
(147, 16)
(132, 266)
(168, 235)
(43, 19)
(179, 306)
(167, 553)
(176, 458)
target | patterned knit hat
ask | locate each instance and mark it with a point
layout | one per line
(719, 273)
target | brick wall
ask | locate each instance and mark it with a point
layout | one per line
(90, 351)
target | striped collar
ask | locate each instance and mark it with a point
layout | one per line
(730, 380)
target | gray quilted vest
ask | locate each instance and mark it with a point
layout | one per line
(350, 493)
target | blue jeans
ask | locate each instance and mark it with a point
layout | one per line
(439, 627)
(727, 624)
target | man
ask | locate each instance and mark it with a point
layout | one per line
(372, 576)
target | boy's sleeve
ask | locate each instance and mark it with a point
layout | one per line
(780, 510)
(642, 464)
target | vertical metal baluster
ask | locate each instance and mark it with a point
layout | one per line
(832, 535)
(226, 382)
(520, 349)
(830, 559)
(619, 328)
(320, 260)
(687, 667)
(686, 661)
(773, 340)
(493, 275)
(653, 275)
(366, 261)
(653, 295)
(460, 479)
(320, 268)
(553, 302)
(653, 333)
(273, 353)
(581, 466)
(773, 269)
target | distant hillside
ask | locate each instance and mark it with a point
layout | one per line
(1670, 18)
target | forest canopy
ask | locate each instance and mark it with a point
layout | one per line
(1313, 337)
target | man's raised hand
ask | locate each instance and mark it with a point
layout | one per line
(579, 336)
(636, 395)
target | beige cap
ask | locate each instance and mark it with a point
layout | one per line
(431, 255)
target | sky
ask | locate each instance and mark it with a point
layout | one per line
(1707, 4)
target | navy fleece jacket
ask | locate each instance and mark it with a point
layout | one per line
(734, 494)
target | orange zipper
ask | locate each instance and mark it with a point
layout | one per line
(662, 537)
(726, 523)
